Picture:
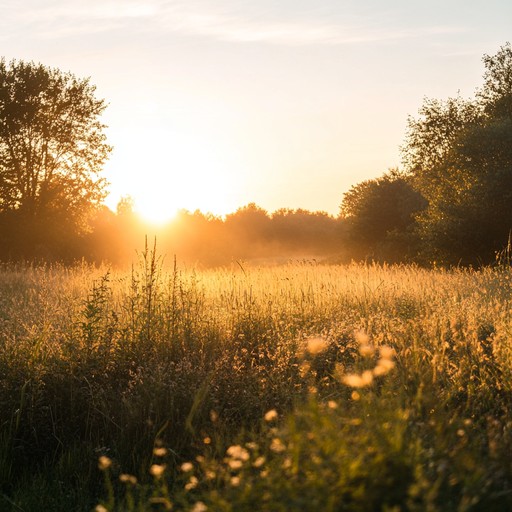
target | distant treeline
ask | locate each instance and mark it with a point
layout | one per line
(449, 204)
(193, 237)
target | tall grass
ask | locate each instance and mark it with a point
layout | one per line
(163, 366)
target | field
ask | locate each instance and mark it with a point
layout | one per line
(300, 387)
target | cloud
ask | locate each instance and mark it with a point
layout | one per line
(224, 20)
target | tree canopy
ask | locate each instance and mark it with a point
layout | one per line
(379, 214)
(458, 154)
(52, 142)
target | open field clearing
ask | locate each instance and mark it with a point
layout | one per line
(299, 387)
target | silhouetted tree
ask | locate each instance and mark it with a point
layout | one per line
(379, 217)
(459, 156)
(52, 147)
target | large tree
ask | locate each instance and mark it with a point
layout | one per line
(52, 144)
(379, 217)
(459, 156)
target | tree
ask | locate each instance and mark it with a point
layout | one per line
(458, 154)
(379, 215)
(52, 145)
(496, 93)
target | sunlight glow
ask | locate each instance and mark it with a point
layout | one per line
(180, 171)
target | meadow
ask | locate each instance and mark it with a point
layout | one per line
(298, 387)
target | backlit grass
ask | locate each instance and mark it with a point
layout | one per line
(299, 387)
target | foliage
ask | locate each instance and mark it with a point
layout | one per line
(380, 217)
(459, 156)
(165, 371)
(52, 149)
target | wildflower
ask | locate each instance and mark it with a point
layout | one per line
(186, 467)
(270, 415)
(386, 352)
(199, 506)
(355, 396)
(127, 479)
(157, 470)
(100, 508)
(235, 481)
(104, 463)
(235, 463)
(159, 452)
(207, 440)
(209, 474)
(316, 345)
(358, 381)
(383, 367)
(366, 350)
(192, 483)
(277, 445)
(386, 363)
(259, 462)
(362, 338)
(367, 377)
(332, 404)
(238, 452)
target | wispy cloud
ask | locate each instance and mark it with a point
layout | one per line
(220, 21)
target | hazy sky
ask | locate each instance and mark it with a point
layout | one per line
(286, 103)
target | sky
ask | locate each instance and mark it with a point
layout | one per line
(213, 104)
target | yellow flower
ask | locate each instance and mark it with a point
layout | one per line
(192, 483)
(366, 350)
(209, 474)
(186, 467)
(104, 463)
(259, 462)
(157, 470)
(386, 352)
(316, 345)
(199, 506)
(127, 479)
(160, 452)
(362, 338)
(277, 445)
(383, 367)
(238, 452)
(270, 415)
(358, 381)
(235, 463)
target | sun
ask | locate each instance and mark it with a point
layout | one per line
(154, 210)
(166, 170)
